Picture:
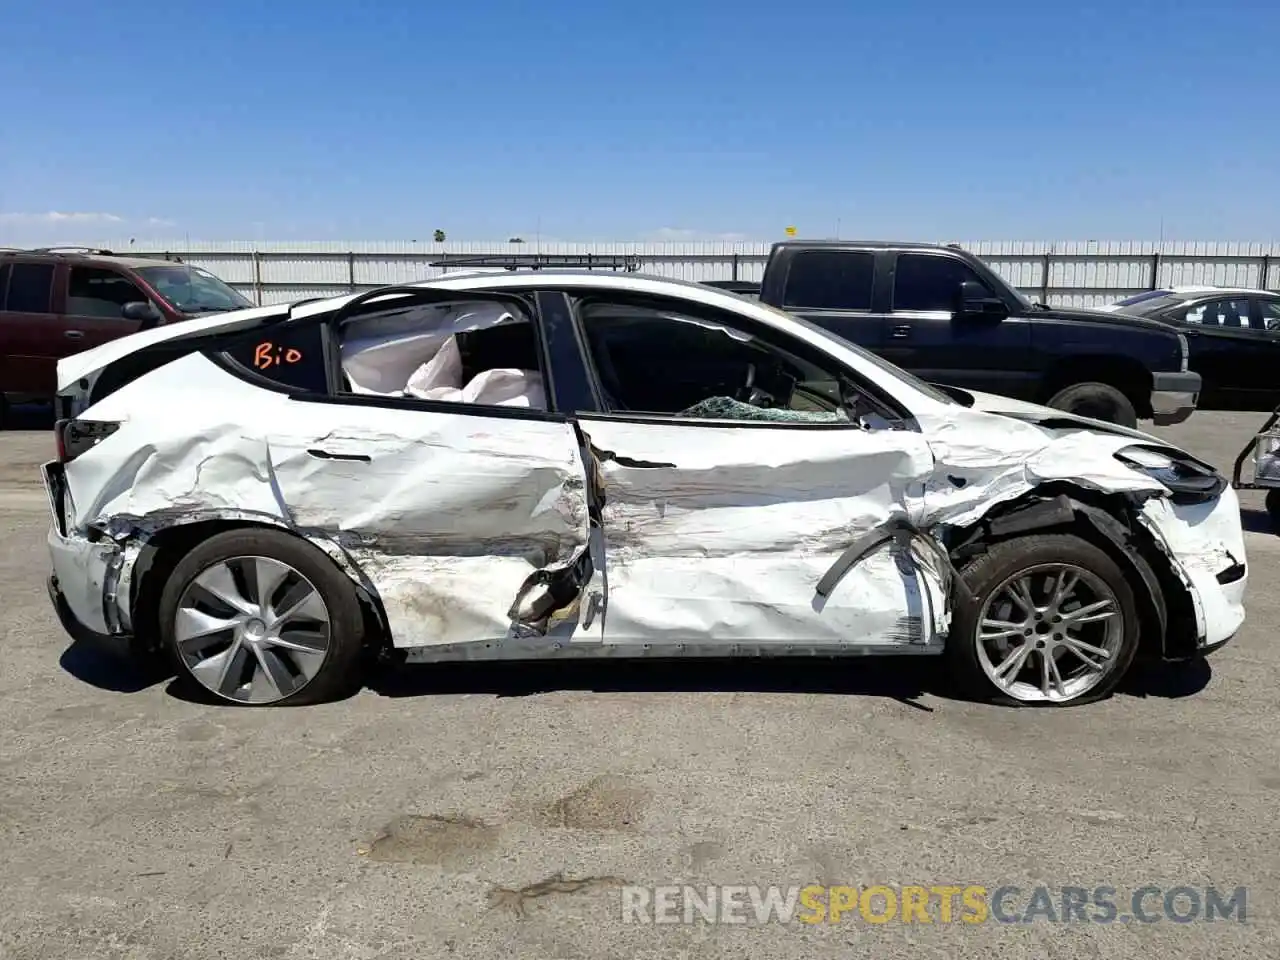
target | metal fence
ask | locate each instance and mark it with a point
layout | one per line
(1085, 273)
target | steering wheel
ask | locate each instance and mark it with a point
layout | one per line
(750, 393)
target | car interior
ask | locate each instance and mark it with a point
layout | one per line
(706, 370)
(463, 352)
(646, 362)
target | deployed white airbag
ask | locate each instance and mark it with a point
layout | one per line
(381, 353)
(415, 353)
(441, 372)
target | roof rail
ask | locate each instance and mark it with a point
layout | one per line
(91, 251)
(539, 261)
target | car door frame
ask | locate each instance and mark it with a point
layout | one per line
(533, 631)
(942, 332)
(1234, 377)
(564, 325)
(85, 332)
(866, 328)
(34, 342)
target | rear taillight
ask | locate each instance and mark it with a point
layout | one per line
(74, 437)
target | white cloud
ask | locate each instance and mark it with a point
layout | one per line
(159, 222)
(57, 216)
(680, 233)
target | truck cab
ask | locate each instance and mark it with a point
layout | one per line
(946, 316)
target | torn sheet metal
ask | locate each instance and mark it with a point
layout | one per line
(985, 459)
(721, 534)
(1202, 541)
(446, 515)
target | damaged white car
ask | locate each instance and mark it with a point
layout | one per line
(606, 465)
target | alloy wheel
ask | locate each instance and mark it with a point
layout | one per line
(1050, 633)
(252, 629)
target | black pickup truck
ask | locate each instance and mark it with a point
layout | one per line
(947, 317)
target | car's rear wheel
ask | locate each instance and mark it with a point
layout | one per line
(262, 618)
(1053, 621)
(1101, 401)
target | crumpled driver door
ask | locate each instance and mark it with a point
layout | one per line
(740, 536)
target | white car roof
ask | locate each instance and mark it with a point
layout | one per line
(1196, 290)
(879, 372)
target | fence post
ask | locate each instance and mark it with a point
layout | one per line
(351, 271)
(735, 266)
(1266, 271)
(1155, 270)
(1045, 263)
(257, 277)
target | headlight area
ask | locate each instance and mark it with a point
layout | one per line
(1187, 479)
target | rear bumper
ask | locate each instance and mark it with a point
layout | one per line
(82, 572)
(89, 574)
(1174, 396)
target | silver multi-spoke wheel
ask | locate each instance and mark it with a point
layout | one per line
(252, 629)
(1052, 632)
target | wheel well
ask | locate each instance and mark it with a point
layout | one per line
(165, 550)
(1166, 613)
(1126, 375)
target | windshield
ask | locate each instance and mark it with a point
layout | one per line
(1149, 305)
(1139, 298)
(193, 290)
(884, 365)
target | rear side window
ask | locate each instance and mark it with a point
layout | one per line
(829, 280)
(928, 282)
(30, 286)
(4, 283)
(293, 357)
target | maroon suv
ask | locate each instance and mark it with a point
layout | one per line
(58, 301)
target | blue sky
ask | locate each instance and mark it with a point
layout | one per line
(591, 121)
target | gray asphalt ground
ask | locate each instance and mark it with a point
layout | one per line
(485, 812)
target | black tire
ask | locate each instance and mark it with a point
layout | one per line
(987, 574)
(1101, 401)
(1273, 509)
(340, 671)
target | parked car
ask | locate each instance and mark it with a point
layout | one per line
(1234, 339)
(57, 301)
(570, 465)
(947, 317)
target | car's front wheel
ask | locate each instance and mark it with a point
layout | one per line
(1052, 620)
(261, 618)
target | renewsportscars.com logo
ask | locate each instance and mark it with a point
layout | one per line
(938, 903)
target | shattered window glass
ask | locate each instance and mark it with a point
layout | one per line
(654, 361)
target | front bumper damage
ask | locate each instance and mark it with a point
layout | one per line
(1204, 543)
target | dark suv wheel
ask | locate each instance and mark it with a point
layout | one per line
(1101, 401)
